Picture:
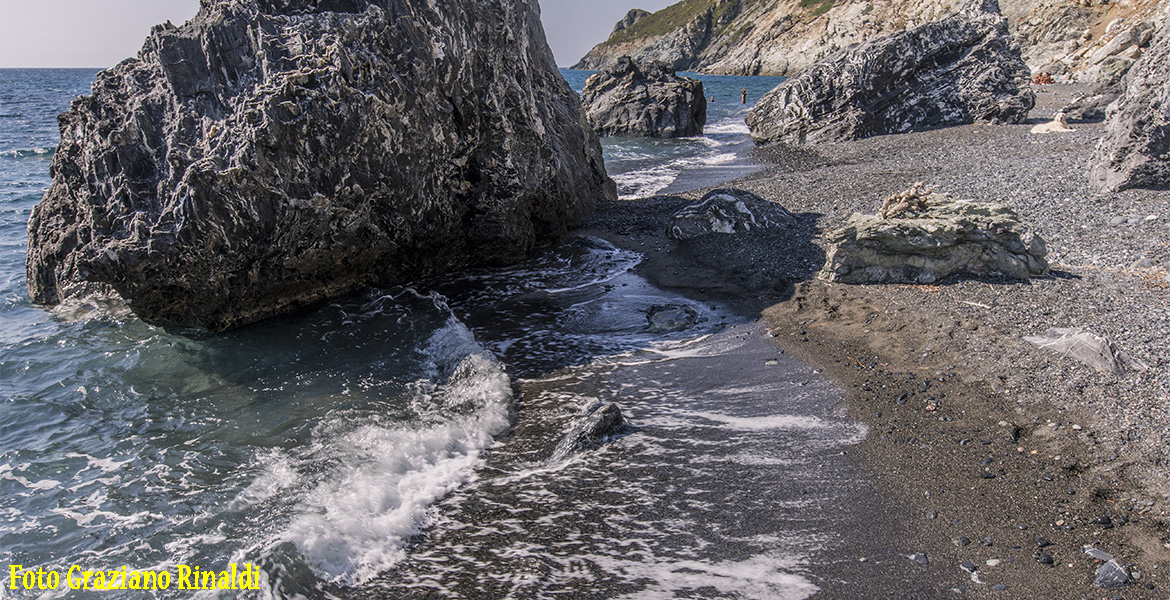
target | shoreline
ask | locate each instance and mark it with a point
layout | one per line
(939, 373)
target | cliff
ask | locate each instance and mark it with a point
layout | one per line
(781, 37)
(270, 154)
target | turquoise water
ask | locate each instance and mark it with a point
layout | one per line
(334, 446)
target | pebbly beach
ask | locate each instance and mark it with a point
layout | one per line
(830, 299)
(1000, 461)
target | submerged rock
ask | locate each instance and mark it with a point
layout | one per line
(954, 71)
(644, 100)
(1134, 151)
(671, 317)
(949, 237)
(267, 155)
(728, 211)
(597, 422)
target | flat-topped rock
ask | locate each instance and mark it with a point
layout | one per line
(947, 237)
(632, 99)
(268, 155)
(957, 70)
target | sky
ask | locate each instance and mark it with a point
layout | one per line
(101, 33)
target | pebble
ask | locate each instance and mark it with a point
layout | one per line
(1076, 427)
(1045, 559)
(988, 475)
(1042, 542)
(961, 541)
(921, 559)
(988, 541)
(993, 562)
(999, 587)
(968, 566)
(932, 514)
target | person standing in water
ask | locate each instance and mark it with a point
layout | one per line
(743, 96)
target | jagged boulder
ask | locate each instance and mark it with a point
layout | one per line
(644, 100)
(923, 246)
(1134, 151)
(272, 153)
(957, 70)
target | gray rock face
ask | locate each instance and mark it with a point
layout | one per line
(1134, 151)
(269, 154)
(950, 237)
(957, 70)
(636, 100)
(728, 211)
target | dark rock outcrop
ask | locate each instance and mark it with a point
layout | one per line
(1134, 151)
(599, 421)
(269, 154)
(954, 71)
(948, 237)
(728, 211)
(636, 100)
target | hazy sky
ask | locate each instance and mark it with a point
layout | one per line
(100, 33)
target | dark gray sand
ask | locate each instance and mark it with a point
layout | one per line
(985, 450)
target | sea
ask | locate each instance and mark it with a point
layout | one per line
(401, 442)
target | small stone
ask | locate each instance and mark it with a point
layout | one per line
(968, 566)
(1111, 575)
(863, 559)
(1045, 559)
(1103, 520)
(1071, 492)
(1042, 542)
(988, 475)
(1023, 527)
(932, 514)
(921, 559)
(993, 562)
(961, 541)
(1076, 427)
(999, 587)
(988, 541)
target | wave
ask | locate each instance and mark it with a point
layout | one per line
(357, 522)
(29, 152)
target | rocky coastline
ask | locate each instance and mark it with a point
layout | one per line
(1087, 41)
(998, 460)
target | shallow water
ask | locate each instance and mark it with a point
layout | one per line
(377, 443)
(645, 166)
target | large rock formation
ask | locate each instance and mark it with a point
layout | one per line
(1134, 151)
(634, 100)
(948, 237)
(781, 37)
(272, 153)
(957, 70)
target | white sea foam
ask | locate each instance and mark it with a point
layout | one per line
(355, 524)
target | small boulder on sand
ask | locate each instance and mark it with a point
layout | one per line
(934, 238)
